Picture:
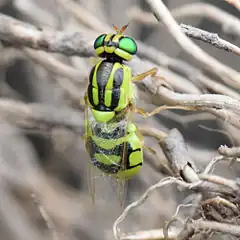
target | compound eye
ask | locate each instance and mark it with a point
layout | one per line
(99, 41)
(127, 44)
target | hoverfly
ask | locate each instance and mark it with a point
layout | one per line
(112, 139)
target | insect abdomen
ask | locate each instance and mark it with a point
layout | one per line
(123, 158)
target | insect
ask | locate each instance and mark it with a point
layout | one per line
(111, 85)
(112, 139)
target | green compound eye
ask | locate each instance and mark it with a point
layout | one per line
(127, 44)
(99, 41)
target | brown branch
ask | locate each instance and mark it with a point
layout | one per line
(209, 37)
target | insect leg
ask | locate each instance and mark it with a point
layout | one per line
(153, 73)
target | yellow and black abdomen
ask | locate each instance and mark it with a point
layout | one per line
(109, 90)
(115, 153)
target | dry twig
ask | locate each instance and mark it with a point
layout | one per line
(235, 3)
(229, 151)
(209, 37)
(228, 75)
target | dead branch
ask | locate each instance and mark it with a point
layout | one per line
(230, 24)
(209, 37)
(235, 3)
(185, 69)
(21, 34)
(229, 151)
(228, 75)
(40, 116)
(216, 226)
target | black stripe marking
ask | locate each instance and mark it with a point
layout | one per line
(117, 151)
(90, 87)
(117, 82)
(103, 73)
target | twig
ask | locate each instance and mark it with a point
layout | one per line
(229, 151)
(212, 163)
(185, 69)
(228, 135)
(173, 219)
(219, 180)
(218, 200)
(229, 23)
(153, 234)
(209, 37)
(21, 34)
(228, 75)
(235, 3)
(45, 216)
(55, 66)
(85, 16)
(215, 101)
(216, 226)
(142, 199)
(40, 116)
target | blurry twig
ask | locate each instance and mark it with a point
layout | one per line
(219, 105)
(212, 163)
(86, 17)
(228, 75)
(235, 3)
(209, 37)
(40, 116)
(216, 226)
(173, 219)
(229, 151)
(219, 180)
(23, 34)
(151, 235)
(185, 69)
(164, 182)
(45, 217)
(232, 140)
(221, 200)
(229, 23)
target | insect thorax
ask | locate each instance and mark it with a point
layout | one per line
(110, 86)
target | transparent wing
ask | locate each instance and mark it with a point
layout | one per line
(110, 145)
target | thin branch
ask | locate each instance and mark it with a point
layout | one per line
(22, 34)
(229, 23)
(215, 101)
(45, 216)
(154, 234)
(235, 3)
(209, 37)
(228, 75)
(164, 182)
(40, 116)
(219, 180)
(229, 151)
(216, 226)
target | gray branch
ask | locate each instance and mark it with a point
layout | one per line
(211, 38)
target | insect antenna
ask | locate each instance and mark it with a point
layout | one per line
(120, 31)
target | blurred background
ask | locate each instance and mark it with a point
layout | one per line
(52, 162)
